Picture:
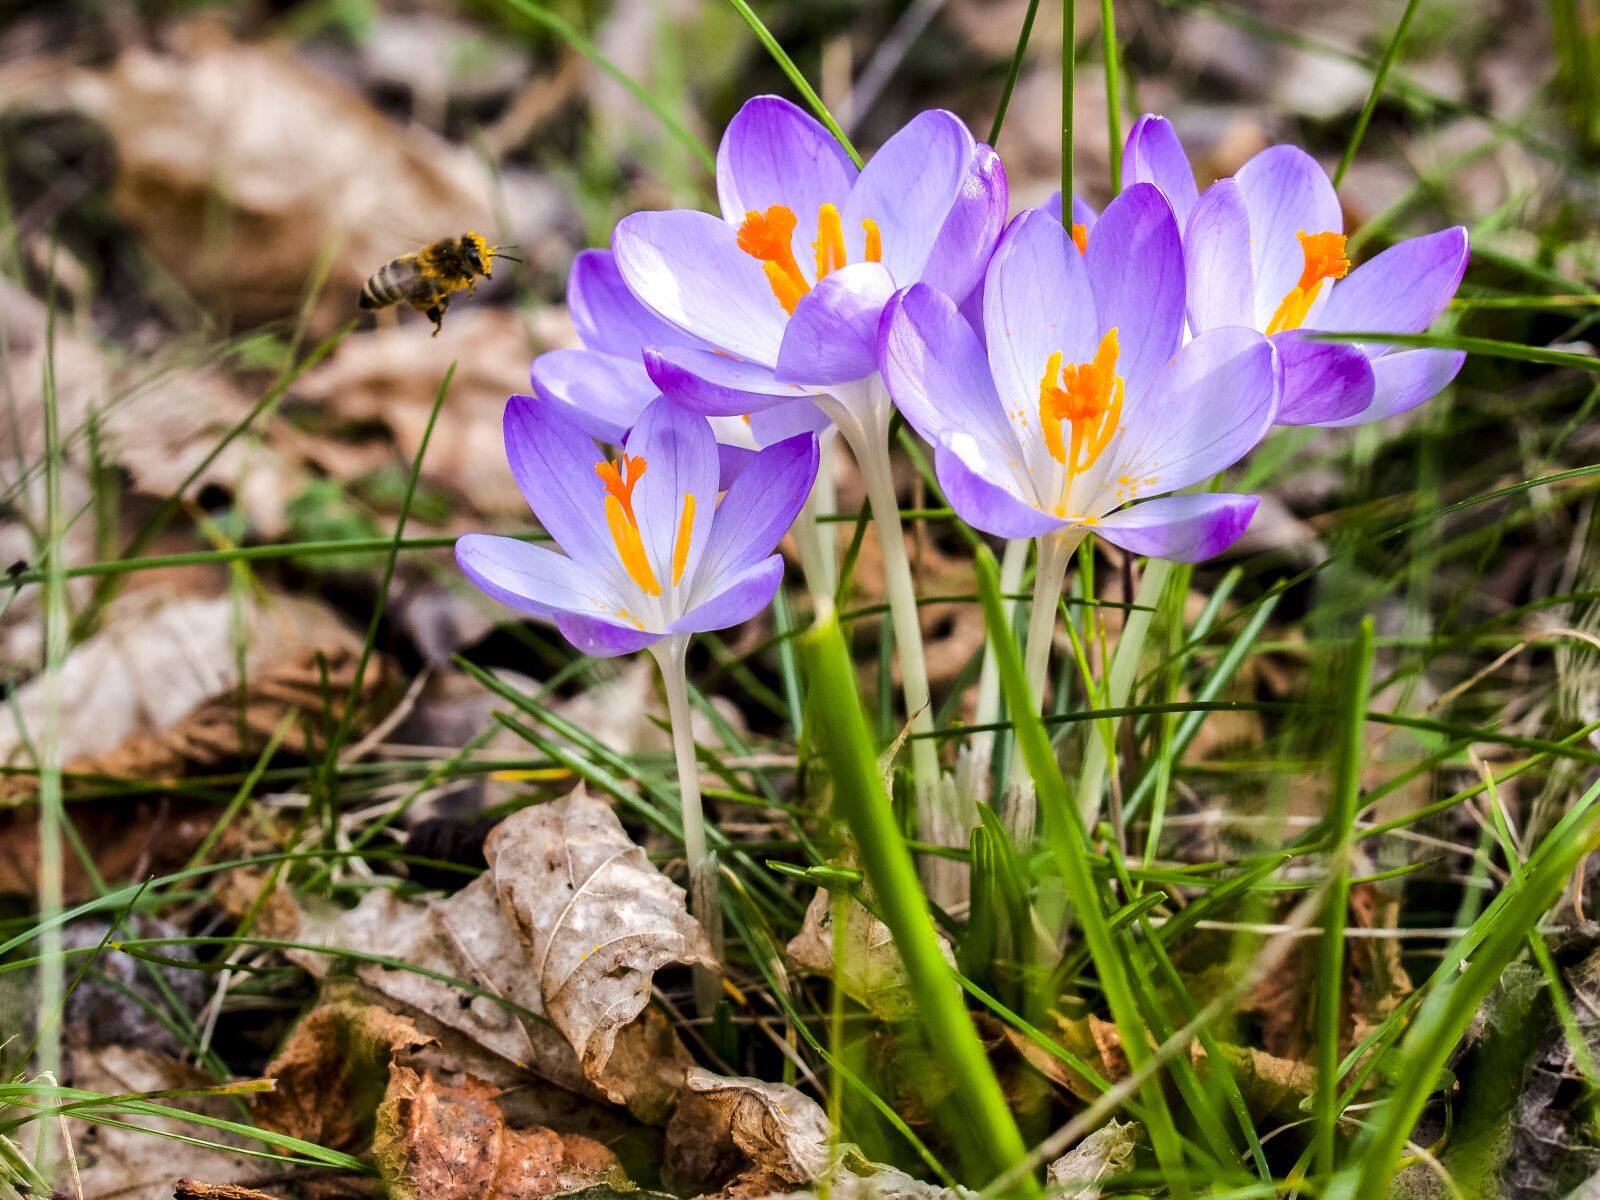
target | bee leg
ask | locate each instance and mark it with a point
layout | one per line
(436, 313)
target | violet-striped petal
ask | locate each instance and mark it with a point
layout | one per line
(600, 638)
(609, 317)
(1406, 378)
(681, 462)
(1135, 262)
(760, 506)
(688, 267)
(1322, 381)
(553, 462)
(961, 252)
(774, 153)
(740, 598)
(983, 496)
(603, 394)
(731, 462)
(717, 385)
(908, 189)
(1083, 213)
(1286, 192)
(833, 334)
(786, 420)
(1217, 251)
(1181, 528)
(1153, 154)
(936, 370)
(1401, 290)
(532, 578)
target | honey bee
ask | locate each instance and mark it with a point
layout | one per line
(427, 279)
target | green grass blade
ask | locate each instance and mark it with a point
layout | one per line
(1380, 80)
(796, 76)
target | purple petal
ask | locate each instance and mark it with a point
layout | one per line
(1154, 155)
(1036, 301)
(731, 462)
(1400, 291)
(956, 264)
(1181, 528)
(908, 188)
(769, 425)
(1083, 212)
(1206, 410)
(774, 153)
(1319, 386)
(1405, 379)
(757, 511)
(602, 394)
(553, 462)
(600, 638)
(1216, 248)
(715, 384)
(1286, 192)
(688, 267)
(1135, 262)
(985, 497)
(937, 372)
(609, 317)
(739, 599)
(681, 461)
(833, 335)
(532, 578)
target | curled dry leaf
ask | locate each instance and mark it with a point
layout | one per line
(764, 1137)
(1107, 1151)
(872, 972)
(332, 1072)
(436, 1142)
(597, 917)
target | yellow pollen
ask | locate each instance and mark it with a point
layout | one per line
(680, 548)
(619, 479)
(1088, 399)
(769, 237)
(1325, 259)
(1080, 237)
(874, 251)
(830, 241)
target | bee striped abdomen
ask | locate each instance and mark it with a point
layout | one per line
(389, 284)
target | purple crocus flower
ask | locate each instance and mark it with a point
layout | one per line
(603, 385)
(650, 554)
(1265, 248)
(785, 289)
(1085, 400)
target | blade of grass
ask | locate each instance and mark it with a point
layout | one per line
(796, 76)
(1380, 79)
(1013, 72)
(1108, 50)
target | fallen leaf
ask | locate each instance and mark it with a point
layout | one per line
(332, 1072)
(872, 973)
(1107, 1151)
(452, 1143)
(763, 1137)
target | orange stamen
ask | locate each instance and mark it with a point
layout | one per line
(874, 251)
(769, 236)
(1324, 259)
(680, 548)
(1080, 237)
(1089, 399)
(830, 241)
(619, 479)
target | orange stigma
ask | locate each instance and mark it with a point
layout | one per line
(1080, 237)
(1325, 259)
(769, 236)
(619, 479)
(1088, 399)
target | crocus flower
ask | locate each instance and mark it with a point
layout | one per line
(650, 554)
(603, 385)
(786, 287)
(1266, 249)
(1085, 402)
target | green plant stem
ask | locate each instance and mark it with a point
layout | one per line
(1013, 562)
(796, 76)
(1380, 80)
(1015, 71)
(1342, 819)
(1108, 42)
(1069, 62)
(858, 792)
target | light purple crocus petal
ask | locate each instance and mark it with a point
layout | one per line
(1180, 528)
(1322, 381)
(731, 462)
(609, 317)
(680, 456)
(532, 578)
(1206, 410)
(758, 510)
(1135, 261)
(961, 252)
(553, 462)
(774, 153)
(1154, 155)
(1286, 192)
(787, 420)
(1036, 301)
(908, 188)
(1216, 248)
(689, 268)
(717, 385)
(1083, 213)
(741, 597)
(600, 638)
(936, 370)
(984, 499)
(1401, 290)
(833, 334)
(1405, 379)
(603, 394)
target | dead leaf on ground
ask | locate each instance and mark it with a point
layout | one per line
(1107, 1151)
(332, 1072)
(744, 1137)
(872, 974)
(436, 1142)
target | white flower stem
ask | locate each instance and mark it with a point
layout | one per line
(1013, 562)
(705, 901)
(815, 540)
(1119, 683)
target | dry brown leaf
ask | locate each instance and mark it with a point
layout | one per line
(598, 918)
(764, 1137)
(1109, 1150)
(1269, 1084)
(873, 974)
(452, 1143)
(332, 1072)
(196, 1189)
